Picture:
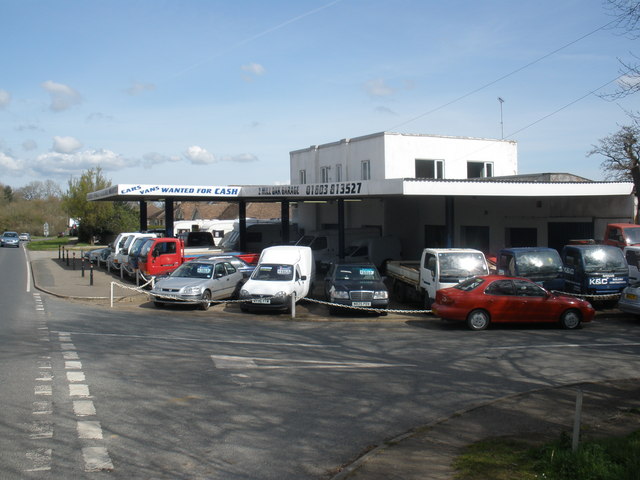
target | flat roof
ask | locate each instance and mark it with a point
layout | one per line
(360, 189)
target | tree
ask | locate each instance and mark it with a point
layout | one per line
(621, 152)
(627, 13)
(97, 219)
(38, 190)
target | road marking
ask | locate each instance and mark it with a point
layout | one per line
(74, 377)
(96, 459)
(41, 430)
(90, 430)
(83, 408)
(73, 365)
(70, 355)
(231, 362)
(43, 390)
(40, 460)
(43, 408)
(78, 390)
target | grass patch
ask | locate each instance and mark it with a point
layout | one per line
(616, 458)
(54, 243)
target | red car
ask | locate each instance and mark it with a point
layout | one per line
(495, 298)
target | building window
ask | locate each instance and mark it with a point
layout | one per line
(303, 177)
(429, 168)
(479, 169)
(325, 174)
(339, 172)
(366, 170)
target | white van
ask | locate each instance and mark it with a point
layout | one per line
(632, 255)
(121, 256)
(282, 271)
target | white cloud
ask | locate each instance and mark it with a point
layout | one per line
(63, 96)
(10, 164)
(66, 144)
(53, 163)
(240, 158)
(378, 88)
(199, 156)
(254, 69)
(5, 98)
(152, 159)
(137, 88)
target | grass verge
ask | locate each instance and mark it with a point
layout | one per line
(54, 243)
(616, 458)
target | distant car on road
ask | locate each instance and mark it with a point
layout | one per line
(10, 239)
(199, 282)
(25, 237)
(494, 299)
(355, 285)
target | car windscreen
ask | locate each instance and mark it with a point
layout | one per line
(604, 260)
(632, 235)
(11, 234)
(469, 284)
(530, 263)
(457, 265)
(273, 272)
(193, 270)
(358, 273)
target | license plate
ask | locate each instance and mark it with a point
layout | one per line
(360, 304)
(630, 296)
(261, 300)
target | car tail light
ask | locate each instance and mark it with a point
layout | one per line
(444, 300)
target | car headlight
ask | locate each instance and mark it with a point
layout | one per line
(192, 290)
(380, 295)
(244, 293)
(281, 293)
(341, 294)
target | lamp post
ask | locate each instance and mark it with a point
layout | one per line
(501, 122)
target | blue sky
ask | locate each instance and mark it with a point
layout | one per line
(219, 92)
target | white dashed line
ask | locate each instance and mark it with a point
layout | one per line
(83, 408)
(40, 460)
(96, 459)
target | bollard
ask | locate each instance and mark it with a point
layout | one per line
(135, 271)
(73, 263)
(91, 274)
(293, 305)
(67, 257)
(59, 247)
(82, 265)
(577, 420)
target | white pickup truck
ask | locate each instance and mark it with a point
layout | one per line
(438, 268)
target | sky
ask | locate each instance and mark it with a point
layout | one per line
(213, 92)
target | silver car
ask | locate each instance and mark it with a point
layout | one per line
(199, 282)
(10, 239)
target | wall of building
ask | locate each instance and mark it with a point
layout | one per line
(393, 155)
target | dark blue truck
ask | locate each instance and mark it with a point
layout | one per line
(539, 264)
(594, 269)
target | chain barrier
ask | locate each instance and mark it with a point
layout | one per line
(611, 296)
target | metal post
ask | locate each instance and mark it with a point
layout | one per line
(135, 271)
(82, 265)
(577, 421)
(112, 294)
(73, 263)
(293, 305)
(91, 274)
(59, 248)
(67, 257)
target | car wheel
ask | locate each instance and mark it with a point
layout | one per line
(478, 320)
(206, 298)
(570, 319)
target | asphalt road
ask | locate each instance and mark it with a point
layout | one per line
(91, 392)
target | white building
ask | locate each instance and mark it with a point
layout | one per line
(453, 191)
(384, 155)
